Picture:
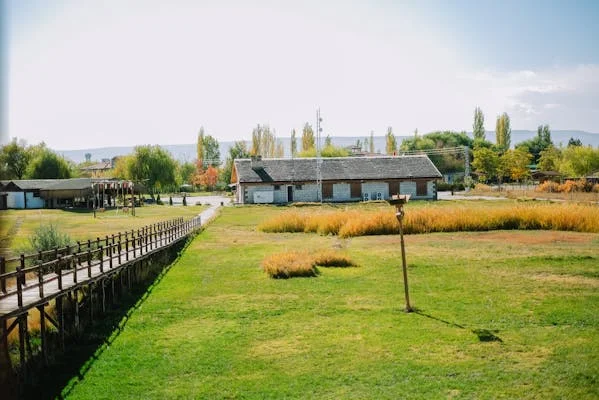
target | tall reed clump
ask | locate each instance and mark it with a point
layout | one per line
(294, 263)
(566, 217)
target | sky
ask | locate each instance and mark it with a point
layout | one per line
(87, 73)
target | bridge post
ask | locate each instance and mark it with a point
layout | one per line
(76, 310)
(42, 312)
(22, 338)
(60, 315)
(3, 271)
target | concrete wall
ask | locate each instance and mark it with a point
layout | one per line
(308, 192)
(341, 191)
(409, 187)
(17, 200)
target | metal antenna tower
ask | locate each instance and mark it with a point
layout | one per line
(318, 156)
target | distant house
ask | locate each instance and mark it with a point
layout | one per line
(59, 193)
(99, 169)
(344, 179)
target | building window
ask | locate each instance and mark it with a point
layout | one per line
(277, 187)
(298, 187)
(421, 188)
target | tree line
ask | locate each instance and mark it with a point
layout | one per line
(160, 172)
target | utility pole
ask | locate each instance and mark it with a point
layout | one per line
(318, 156)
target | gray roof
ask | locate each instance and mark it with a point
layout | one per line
(336, 168)
(52, 184)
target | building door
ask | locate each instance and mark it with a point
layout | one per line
(289, 194)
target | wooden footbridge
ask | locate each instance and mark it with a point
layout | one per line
(59, 283)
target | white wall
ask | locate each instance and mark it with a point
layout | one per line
(373, 188)
(308, 192)
(341, 191)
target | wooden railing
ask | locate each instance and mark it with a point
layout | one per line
(87, 259)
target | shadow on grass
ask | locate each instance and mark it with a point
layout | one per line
(483, 335)
(59, 380)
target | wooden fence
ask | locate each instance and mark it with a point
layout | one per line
(34, 280)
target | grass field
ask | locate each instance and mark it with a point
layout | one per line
(503, 314)
(16, 226)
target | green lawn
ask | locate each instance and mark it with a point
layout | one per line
(16, 226)
(217, 327)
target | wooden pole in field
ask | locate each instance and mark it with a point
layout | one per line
(398, 201)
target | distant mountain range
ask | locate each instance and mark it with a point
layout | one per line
(187, 152)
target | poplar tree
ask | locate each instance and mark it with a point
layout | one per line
(371, 142)
(308, 140)
(503, 132)
(479, 124)
(293, 143)
(391, 142)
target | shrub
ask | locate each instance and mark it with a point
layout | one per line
(331, 258)
(294, 263)
(170, 200)
(48, 237)
(288, 265)
(184, 200)
(548, 186)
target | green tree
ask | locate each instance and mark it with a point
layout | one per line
(452, 162)
(485, 163)
(391, 142)
(549, 159)
(293, 143)
(238, 150)
(537, 144)
(211, 151)
(514, 163)
(503, 132)
(580, 161)
(15, 157)
(264, 142)
(200, 152)
(574, 142)
(153, 166)
(186, 172)
(479, 124)
(308, 140)
(328, 141)
(48, 165)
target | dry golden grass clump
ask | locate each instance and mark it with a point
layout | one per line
(563, 217)
(294, 263)
(331, 258)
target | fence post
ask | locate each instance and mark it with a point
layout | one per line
(110, 255)
(75, 272)
(20, 276)
(3, 271)
(59, 273)
(120, 249)
(89, 263)
(126, 248)
(40, 278)
(101, 259)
